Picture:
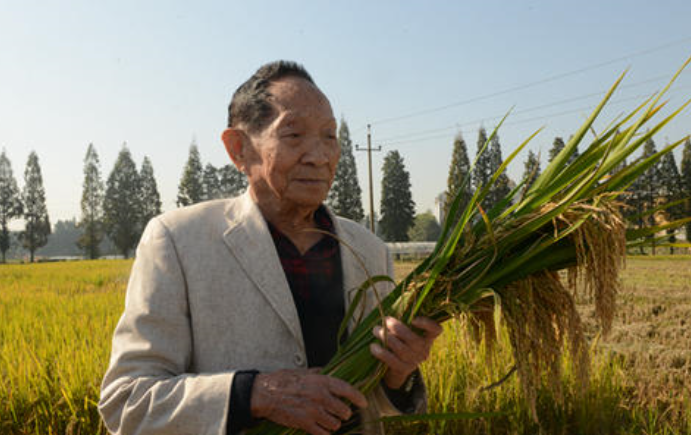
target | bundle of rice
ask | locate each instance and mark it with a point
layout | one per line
(569, 220)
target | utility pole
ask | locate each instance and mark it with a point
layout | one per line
(369, 150)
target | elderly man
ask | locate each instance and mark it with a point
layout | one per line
(233, 304)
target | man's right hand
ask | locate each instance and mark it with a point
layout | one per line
(304, 399)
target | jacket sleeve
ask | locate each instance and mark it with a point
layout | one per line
(147, 388)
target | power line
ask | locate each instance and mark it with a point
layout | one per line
(522, 121)
(535, 83)
(530, 109)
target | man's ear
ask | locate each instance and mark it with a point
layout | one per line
(235, 142)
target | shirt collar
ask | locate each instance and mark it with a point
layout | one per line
(322, 220)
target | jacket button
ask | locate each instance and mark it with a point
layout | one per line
(298, 360)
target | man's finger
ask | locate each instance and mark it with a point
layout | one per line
(335, 406)
(391, 361)
(313, 428)
(403, 351)
(400, 330)
(327, 421)
(343, 389)
(432, 329)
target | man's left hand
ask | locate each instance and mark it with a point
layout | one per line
(405, 349)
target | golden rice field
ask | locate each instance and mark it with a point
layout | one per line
(56, 321)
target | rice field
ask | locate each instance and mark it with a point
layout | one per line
(55, 332)
(56, 321)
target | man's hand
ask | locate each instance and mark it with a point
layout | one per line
(405, 348)
(304, 399)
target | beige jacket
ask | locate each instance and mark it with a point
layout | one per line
(207, 297)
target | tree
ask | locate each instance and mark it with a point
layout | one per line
(531, 170)
(397, 206)
(10, 202)
(458, 173)
(483, 166)
(425, 229)
(345, 196)
(191, 189)
(148, 191)
(686, 183)
(645, 190)
(122, 207)
(557, 146)
(231, 181)
(671, 189)
(91, 223)
(37, 228)
(500, 188)
(211, 188)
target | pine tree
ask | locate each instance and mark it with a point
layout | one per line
(671, 189)
(397, 206)
(231, 181)
(483, 166)
(37, 228)
(191, 189)
(644, 191)
(150, 199)
(686, 183)
(122, 207)
(10, 202)
(345, 196)
(211, 188)
(91, 223)
(531, 170)
(458, 172)
(557, 146)
(501, 187)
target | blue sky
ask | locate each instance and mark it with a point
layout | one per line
(157, 74)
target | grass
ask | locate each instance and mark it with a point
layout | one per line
(58, 318)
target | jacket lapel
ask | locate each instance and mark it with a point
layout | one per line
(250, 242)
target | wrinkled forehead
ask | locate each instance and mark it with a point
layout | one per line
(297, 97)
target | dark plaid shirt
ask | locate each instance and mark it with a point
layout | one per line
(316, 282)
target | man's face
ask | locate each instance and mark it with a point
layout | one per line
(292, 161)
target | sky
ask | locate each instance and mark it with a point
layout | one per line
(158, 75)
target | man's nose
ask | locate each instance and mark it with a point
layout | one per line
(318, 152)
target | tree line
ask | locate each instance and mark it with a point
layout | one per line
(662, 184)
(116, 211)
(119, 209)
